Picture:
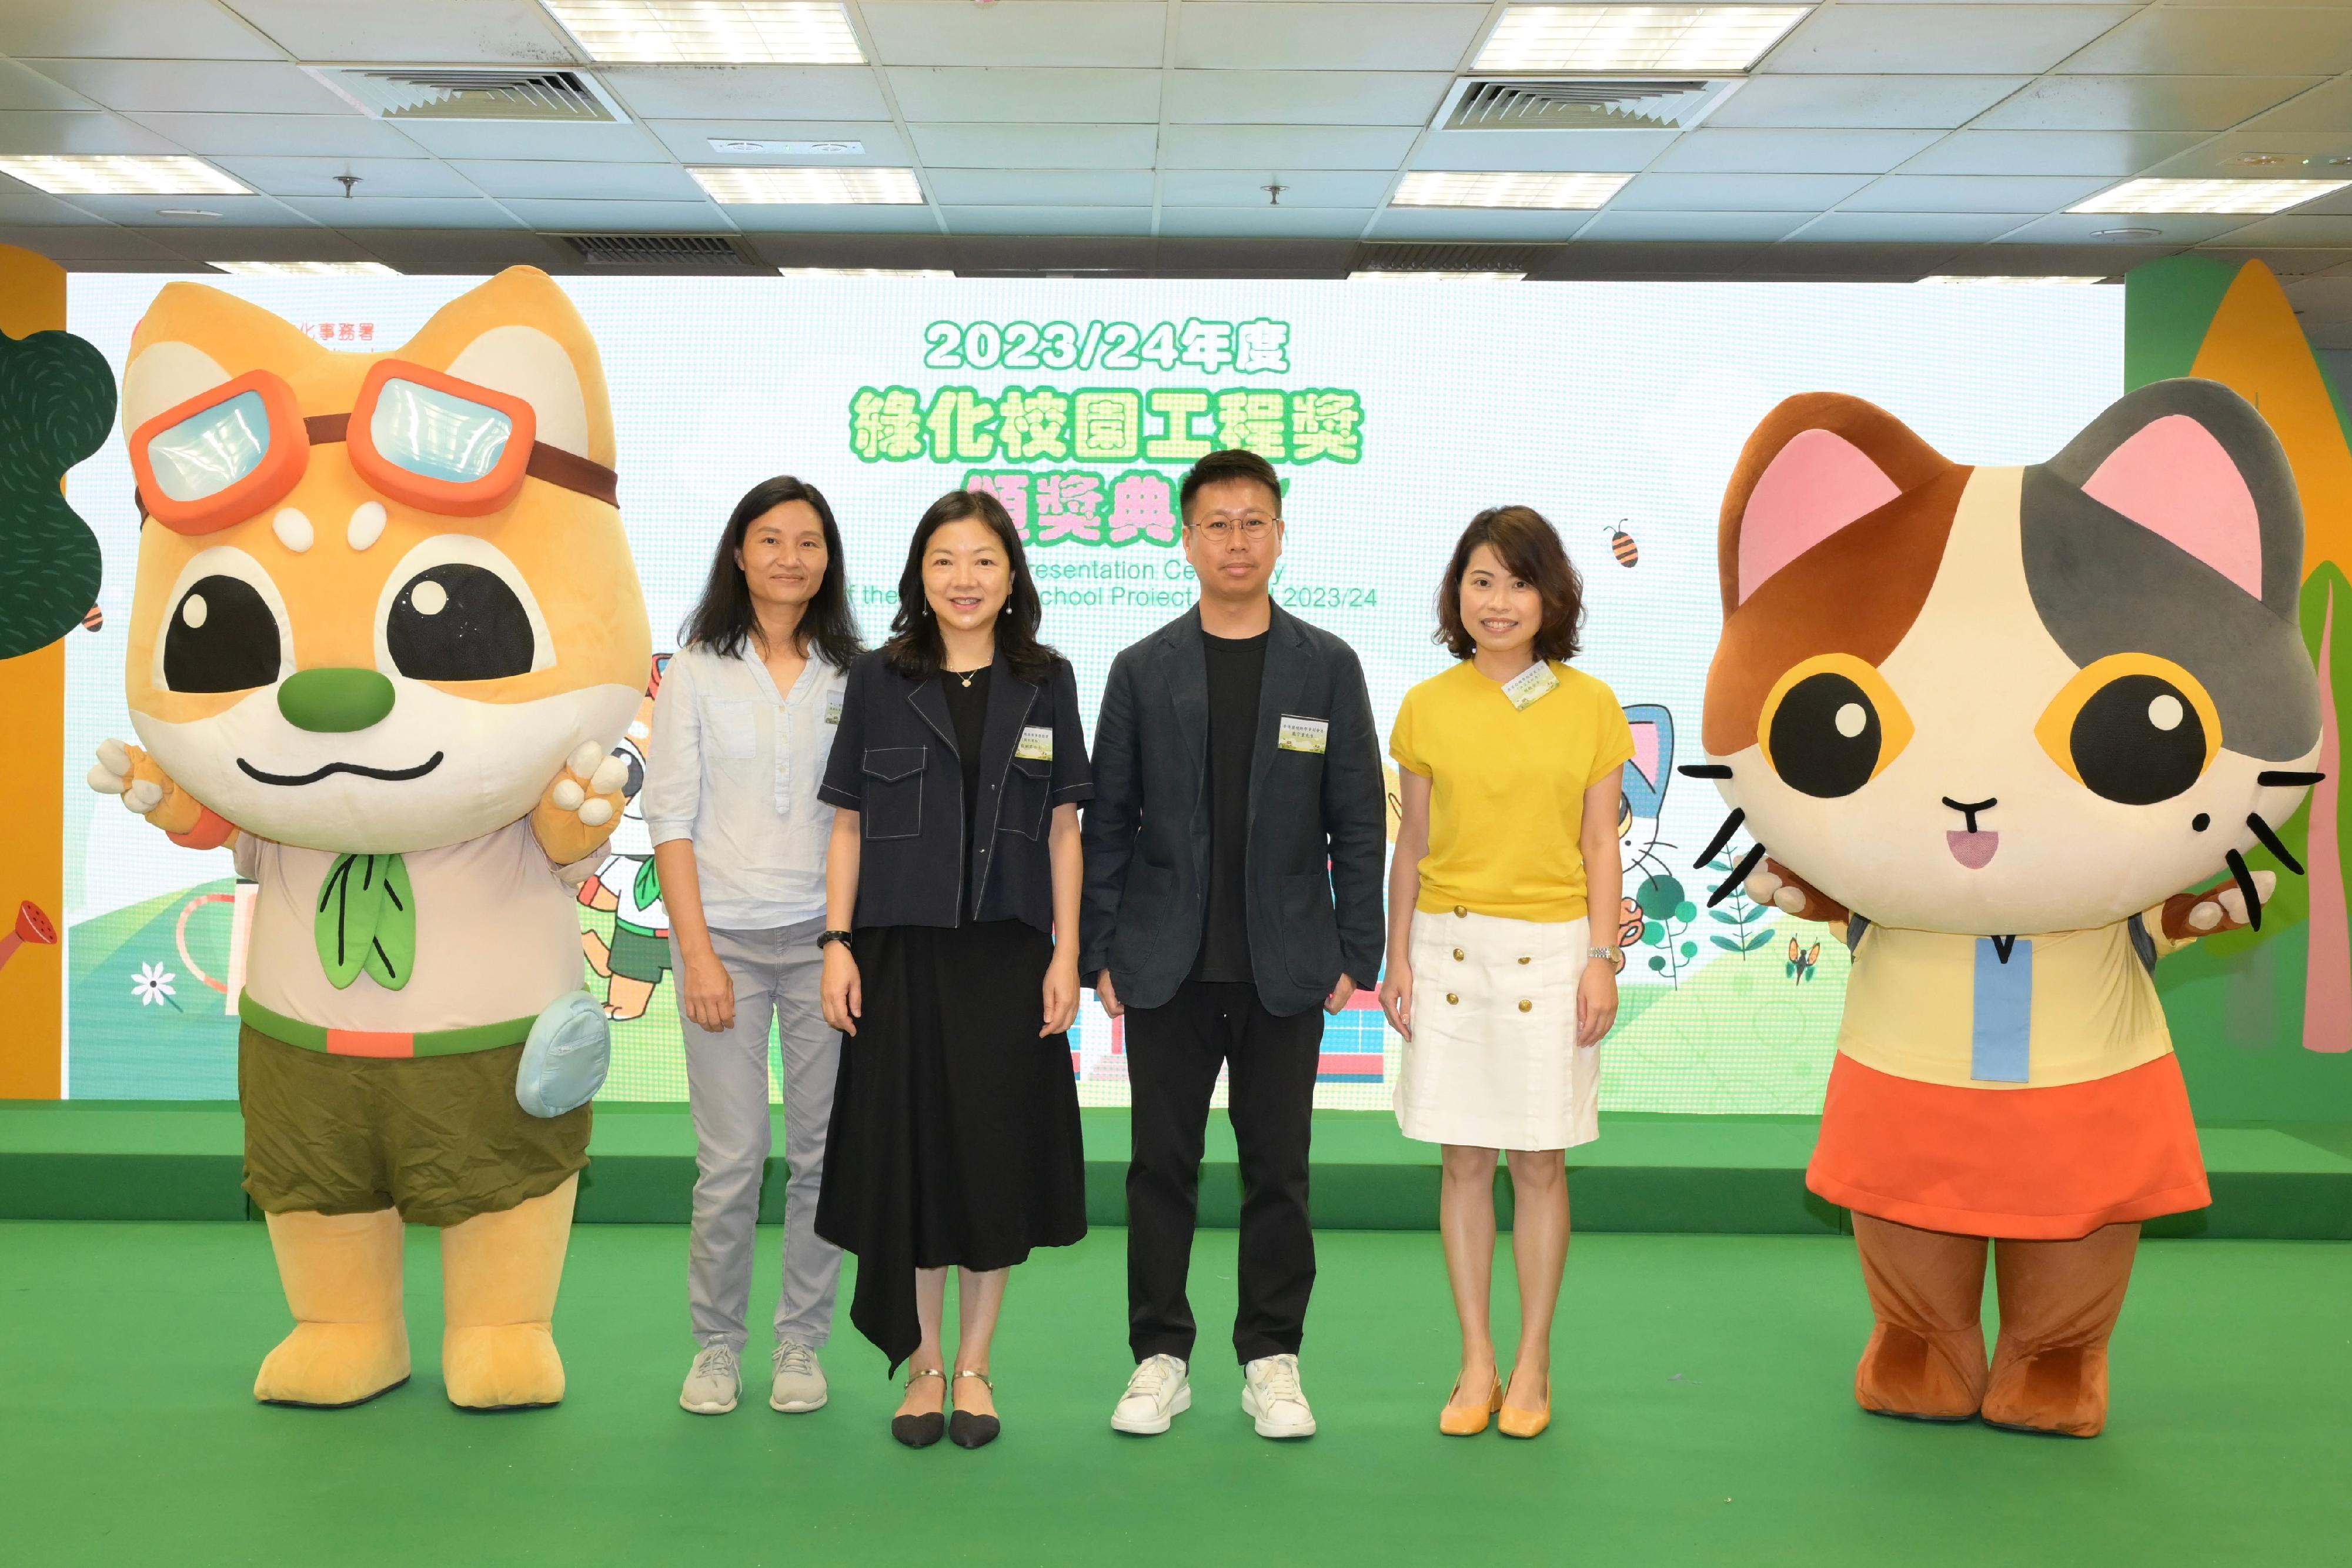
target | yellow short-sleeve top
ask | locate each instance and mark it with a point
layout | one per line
(1507, 787)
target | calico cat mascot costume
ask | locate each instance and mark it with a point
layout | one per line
(385, 628)
(1992, 721)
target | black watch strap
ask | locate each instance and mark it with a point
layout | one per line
(825, 937)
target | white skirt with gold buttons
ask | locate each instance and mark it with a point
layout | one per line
(1493, 1062)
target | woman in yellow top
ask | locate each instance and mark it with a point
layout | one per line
(1510, 765)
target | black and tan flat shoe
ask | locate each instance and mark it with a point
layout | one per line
(919, 1431)
(966, 1430)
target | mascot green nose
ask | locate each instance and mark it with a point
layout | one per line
(333, 701)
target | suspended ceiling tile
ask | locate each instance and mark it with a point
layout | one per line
(1615, 224)
(2113, 153)
(1736, 192)
(443, 32)
(2292, 263)
(151, 29)
(23, 88)
(1016, 32)
(35, 132)
(377, 176)
(2139, 102)
(2173, 230)
(1932, 39)
(989, 220)
(1331, 36)
(1473, 225)
(689, 141)
(766, 92)
(23, 204)
(2335, 338)
(403, 213)
(2284, 155)
(1304, 98)
(1975, 192)
(1542, 151)
(1957, 228)
(1278, 147)
(2229, 40)
(551, 180)
(783, 218)
(2326, 107)
(2293, 229)
(1305, 223)
(1036, 146)
(1246, 187)
(1792, 152)
(268, 135)
(1042, 187)
(232, 212)
(1108, 96)
(618, 217)
(510, 139)
(2323, 298)
(163, 87)
(1816, 102)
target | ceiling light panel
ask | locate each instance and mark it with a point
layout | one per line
(2206, 195)
(1447, 188)
(863, 272)
(91, 175)
(306, 268)
(712, 32)
(1635, 38)
(810, 187)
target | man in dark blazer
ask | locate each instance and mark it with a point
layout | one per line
(1235, 857)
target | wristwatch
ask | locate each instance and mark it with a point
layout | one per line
(1615, 954)
(825, 937)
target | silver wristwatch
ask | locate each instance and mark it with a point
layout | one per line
(1615, 954)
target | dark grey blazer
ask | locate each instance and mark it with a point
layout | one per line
(1317, 821)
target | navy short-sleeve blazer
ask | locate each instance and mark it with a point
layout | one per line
(895, 763)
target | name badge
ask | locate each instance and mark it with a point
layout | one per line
(1296, 734)
(1036, 744)
(1530, 685)
(833, 706)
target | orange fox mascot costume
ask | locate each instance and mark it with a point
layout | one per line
(1990, 722)
(385, 631)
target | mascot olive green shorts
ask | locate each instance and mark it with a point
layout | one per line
(439, 1138)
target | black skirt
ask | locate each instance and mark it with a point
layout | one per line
(955, 1135)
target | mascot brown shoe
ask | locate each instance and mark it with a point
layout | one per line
(1990, 722)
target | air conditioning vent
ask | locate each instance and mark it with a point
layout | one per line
(1579, 103)
(1446, 258)
(473, 92)
(705, 253)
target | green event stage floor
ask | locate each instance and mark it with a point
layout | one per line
(1738, 1174)
(1703, 1416)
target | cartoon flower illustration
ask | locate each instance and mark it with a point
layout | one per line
(154, 985)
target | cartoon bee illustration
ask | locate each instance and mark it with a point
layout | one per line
(1803, 960)
(1621, 545)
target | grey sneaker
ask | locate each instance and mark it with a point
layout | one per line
(712, 1382)
(800, 1381)
(1271, 1396)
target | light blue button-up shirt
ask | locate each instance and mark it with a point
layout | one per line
(734, 768)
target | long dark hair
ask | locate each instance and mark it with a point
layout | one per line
(725, 622)
(1530, 551)
(914, 649)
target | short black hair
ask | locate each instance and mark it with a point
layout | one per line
(1232, 463)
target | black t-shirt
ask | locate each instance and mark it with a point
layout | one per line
(1236, 671)
(968, 712)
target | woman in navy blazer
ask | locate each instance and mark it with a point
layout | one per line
(956, 774)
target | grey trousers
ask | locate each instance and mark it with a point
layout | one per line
(775, 974)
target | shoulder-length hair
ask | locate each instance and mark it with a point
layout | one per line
(1531, 551)
(914, 649)
(724, 621)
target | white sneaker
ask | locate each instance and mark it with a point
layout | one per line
(712, 1382)
(1271, 1396)
(1155, 1397)
(800, 1381)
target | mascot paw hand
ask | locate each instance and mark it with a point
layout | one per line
(1776, 886)
(127, 771)
(2222, 909)
(579, 810)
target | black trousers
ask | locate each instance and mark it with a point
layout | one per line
(1173, 1053)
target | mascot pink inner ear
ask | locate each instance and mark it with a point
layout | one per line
(2175, 480)
(1813, 486)
(1645, 751)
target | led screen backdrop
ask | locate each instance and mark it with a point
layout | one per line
(1393, 410)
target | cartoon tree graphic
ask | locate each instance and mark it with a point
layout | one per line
(1748, 920)
(1667, 912)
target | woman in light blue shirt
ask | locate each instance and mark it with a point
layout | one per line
(741, 732)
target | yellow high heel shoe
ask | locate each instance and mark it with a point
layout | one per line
(1517, 1422)
(1469, 1420)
